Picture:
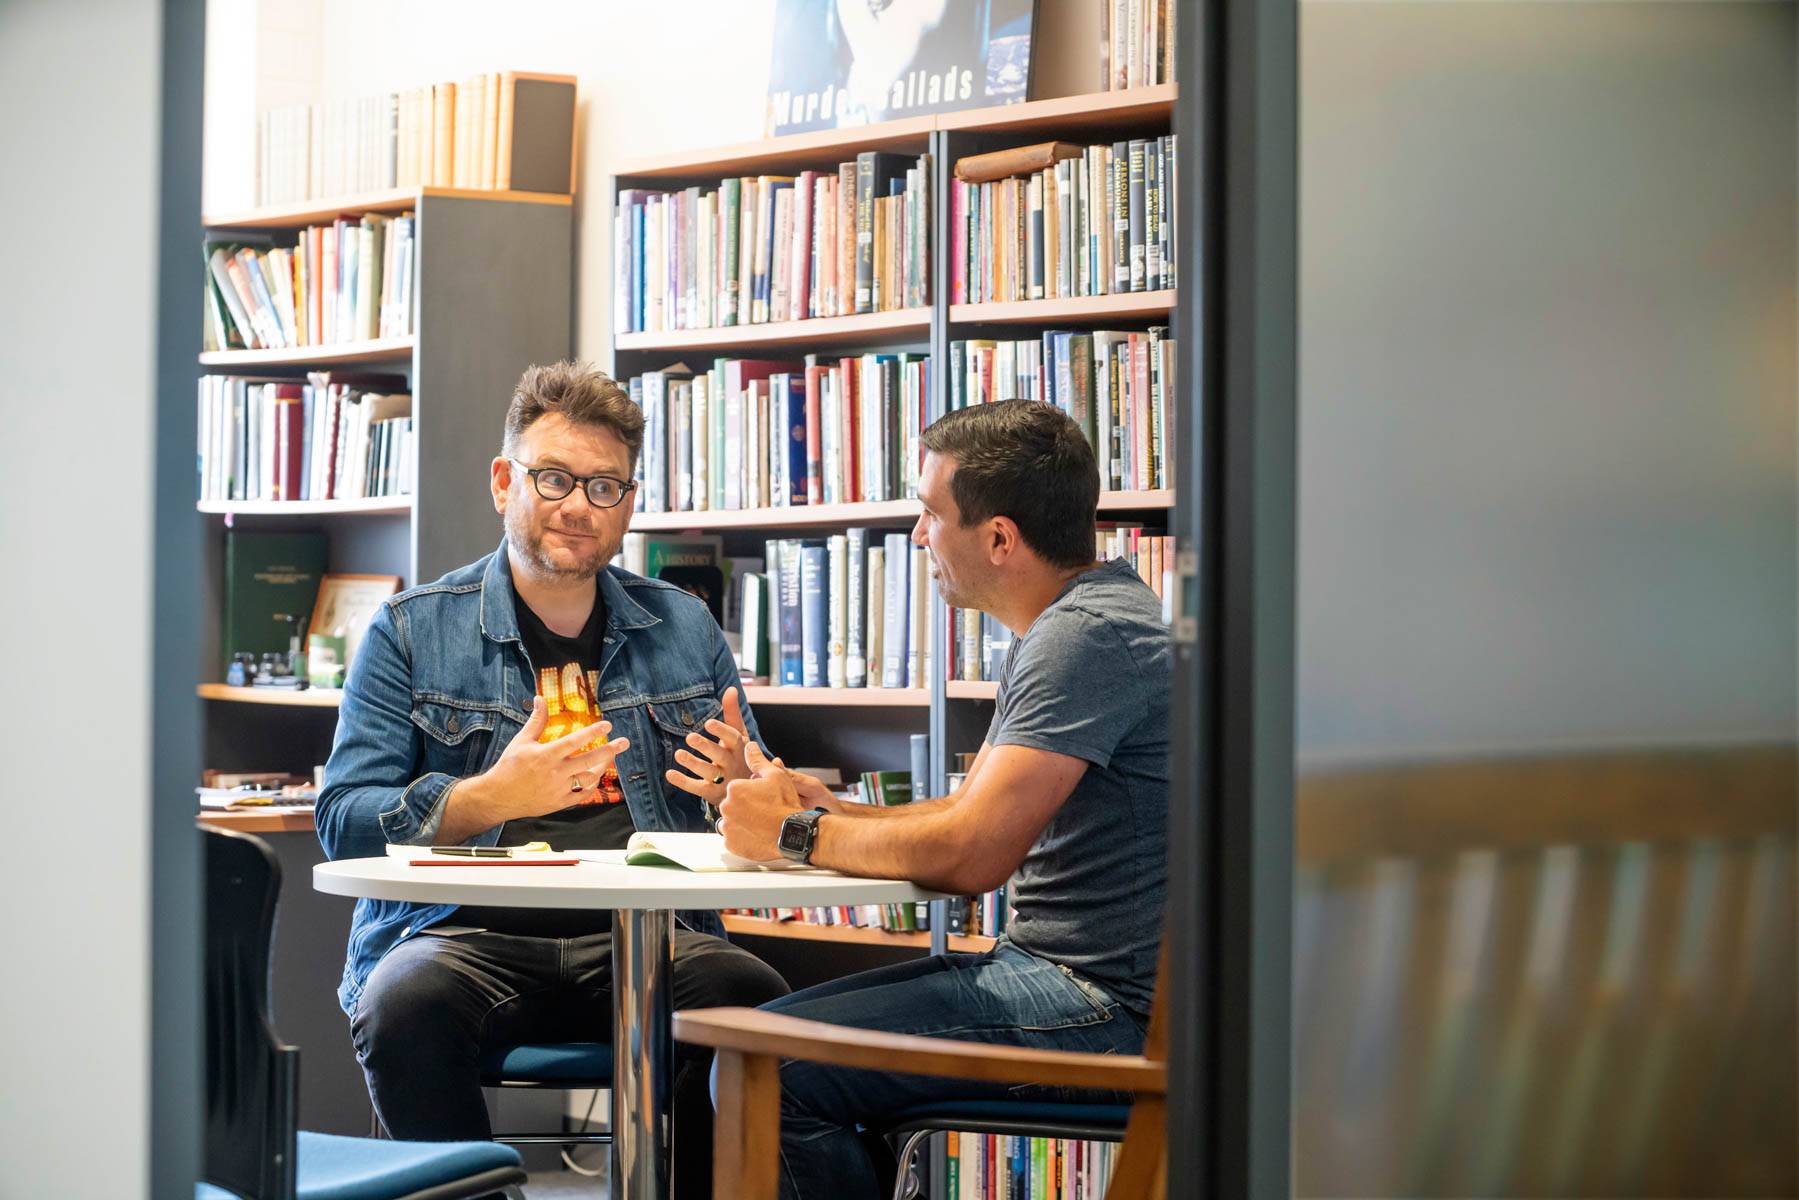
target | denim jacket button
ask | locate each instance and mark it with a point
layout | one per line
(687, 719)
(453, 724)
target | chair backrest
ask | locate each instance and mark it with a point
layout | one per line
(252, 1080)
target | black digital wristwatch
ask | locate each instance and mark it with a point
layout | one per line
(799, 832)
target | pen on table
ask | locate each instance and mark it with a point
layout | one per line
(491, 851)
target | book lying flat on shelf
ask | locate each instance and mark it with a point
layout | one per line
(695, 852)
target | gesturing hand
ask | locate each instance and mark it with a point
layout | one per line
(715, 761)
(532, 779)
(752, 811)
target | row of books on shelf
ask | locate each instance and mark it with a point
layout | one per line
(1139, 42)
(766, 248)
(981, 643)
(991, 1166)
(755, 433)
(1118, 386)
(442, 134)
(336, 436)
(1059, 220)
(349, 281)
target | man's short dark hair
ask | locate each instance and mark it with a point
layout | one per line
(583, 394)
(1027, 461)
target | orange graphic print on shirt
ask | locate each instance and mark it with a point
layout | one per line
(569, 700)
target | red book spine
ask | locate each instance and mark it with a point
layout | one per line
(1140, 429)
(847, 394)
(815, 473)
(799, 283)
(958, 232)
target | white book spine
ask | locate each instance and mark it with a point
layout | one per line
(897, 616)
(837, 600)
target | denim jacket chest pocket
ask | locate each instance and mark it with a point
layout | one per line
(459, 737)
(673, 720)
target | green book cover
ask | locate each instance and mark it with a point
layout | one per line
(731, 197)
(267, 575)
(1039, 1167)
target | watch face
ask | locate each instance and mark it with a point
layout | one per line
(793, 835)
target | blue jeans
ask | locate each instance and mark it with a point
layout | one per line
(1005, 996)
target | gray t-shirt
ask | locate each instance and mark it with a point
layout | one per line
(1090, 678)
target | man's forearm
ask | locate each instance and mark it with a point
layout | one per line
(851, 808)
(469, 808)
(925, 843)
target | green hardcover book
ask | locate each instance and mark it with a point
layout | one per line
(1039, 1167)
(730, 193)
(269, 577)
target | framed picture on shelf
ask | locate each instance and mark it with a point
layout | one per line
(836, 63)
(340, 618)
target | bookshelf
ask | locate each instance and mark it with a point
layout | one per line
(865, 729)
(475, 330)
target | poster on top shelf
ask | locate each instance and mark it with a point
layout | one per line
(855, 62)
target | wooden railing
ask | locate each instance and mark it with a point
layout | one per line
(1565, 976)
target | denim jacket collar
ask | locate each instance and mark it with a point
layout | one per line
(499, 616)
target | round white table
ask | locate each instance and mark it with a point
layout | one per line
(643, 901)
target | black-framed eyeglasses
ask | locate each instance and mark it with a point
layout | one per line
(555, 483)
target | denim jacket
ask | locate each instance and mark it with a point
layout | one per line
(441, 685)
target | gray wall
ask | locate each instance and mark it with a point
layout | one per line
(80, 84)
(1547, 448)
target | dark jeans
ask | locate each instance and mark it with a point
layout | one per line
(436, 1002)
(1005, 996)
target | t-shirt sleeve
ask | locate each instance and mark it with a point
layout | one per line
(1071, 687)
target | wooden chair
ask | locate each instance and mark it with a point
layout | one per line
(750, 1045)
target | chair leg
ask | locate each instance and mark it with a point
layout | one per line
(905, 1181)
(747, 1138)
(1142, 1171)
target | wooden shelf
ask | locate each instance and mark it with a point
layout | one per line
(879, 512)
(971, 689)
(373, 506)
(856, 934)
(249, 820)
(389, 200)
(819, 331)
(310, 698)
(1121, 306)
(1071, 117)
(830, 697)
(344, 354)
(796, 151)
(1136, 501)
(1063, 116)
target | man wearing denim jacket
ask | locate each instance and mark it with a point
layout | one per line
(462, 723)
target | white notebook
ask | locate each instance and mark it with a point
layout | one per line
(694, 851)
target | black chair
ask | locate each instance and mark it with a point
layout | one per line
(252, 1150)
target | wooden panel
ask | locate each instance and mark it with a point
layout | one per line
(392, 200)
(310, 698)
(252, 821)
(1084, 310)
(795, 152)
(380, 350)
(753, 1030)
(1427, 809)
(883, 512)
(830, 697)
(808, 334)
(806, 931)
(375, 506)
(1072, 117)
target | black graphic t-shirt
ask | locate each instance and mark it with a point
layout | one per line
(597, 818)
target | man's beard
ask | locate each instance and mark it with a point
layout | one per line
(530, 548)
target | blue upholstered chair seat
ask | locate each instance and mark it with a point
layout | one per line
(351, 1168)
(1054, 1118)
(561, 1063)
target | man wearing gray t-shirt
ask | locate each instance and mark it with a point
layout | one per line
(1067, 799)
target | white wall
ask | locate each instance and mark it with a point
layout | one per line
(656, 77)
(79, 83)
(1547, 330)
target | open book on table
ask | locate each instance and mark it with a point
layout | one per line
(696, 852)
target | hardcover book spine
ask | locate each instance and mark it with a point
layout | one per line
(876, 621)
(837, 599)
(1135, 167)
(897, 610)
(865, 202)
(792, 399)
(855, 664)
(815, 616)
(918, 624)
(792, 623)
